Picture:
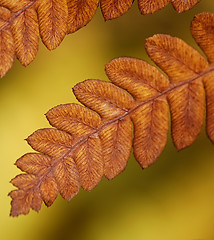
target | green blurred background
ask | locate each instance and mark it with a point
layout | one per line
(173, 199)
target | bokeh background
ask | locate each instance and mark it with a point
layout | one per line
(173, 199)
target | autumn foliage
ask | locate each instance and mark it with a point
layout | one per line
(93, 140)
(22, 21)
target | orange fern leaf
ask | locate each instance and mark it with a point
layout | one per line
(22, 21)
(112, 9)
(7, 50)
(90, 141)
(52, 16)
(80, 13)
(151, 6)
(25, 30)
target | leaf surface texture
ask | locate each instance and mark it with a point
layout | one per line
(132, 110)
(23, 22)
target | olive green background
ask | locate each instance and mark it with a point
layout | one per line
(172, 199)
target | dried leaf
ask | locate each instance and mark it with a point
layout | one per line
(187, 101)
(114, 8)
(139, 78)
(209, 89)
(6, 42)
(150, 121)
(74, 119)
(170, 54)
(36, 201)
(27, 196)
(103, 97)
(88, 158)
(183, 5)
(150, 131)
(24, 181)
(116, 139)
(67, 178)
(202, 31)
(96, 139)
(22, 21)
(34, 163)
(151, 6)
(16, 5)
(187, 113)
(80, 13)
(52, 142)
(49, 190)
(23, 201)
(52, 16)
(25, 30)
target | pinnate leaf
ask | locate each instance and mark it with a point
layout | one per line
(16, 5)
(34, 163)
(137, 77)
(133, 109)
(105, 98)
(74, 119)
(209, 88)
(116, 139)
(202, 31)
(23, 21)
(144, 82)
(67, 178)
(52, 15)
(114, 8)
(150, 131)
(48, 190)
(24, 181)
(52, 142)
(89, 162)
(25, 30)
(23, 201)
(184, 5)
(151, 6)
(80, 13)
(6, 42)
(187, 101)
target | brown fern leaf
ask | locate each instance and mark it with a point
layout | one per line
(80, 13)
(25, 30)
(22, 21)
(115, 8)
(151, 6)
(187, 101)
(90, 141)
(202, 29)
(112, 9)
(52, 16)
(6, 42)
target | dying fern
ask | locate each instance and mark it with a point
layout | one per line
(22, 21)
(90, 141)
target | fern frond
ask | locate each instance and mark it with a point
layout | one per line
(93, 140)
(22, 21)
(151, 6)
